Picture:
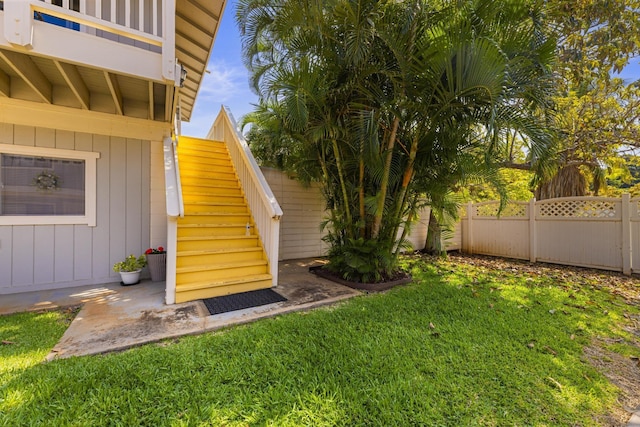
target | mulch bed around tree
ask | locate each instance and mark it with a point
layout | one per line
(400, 279)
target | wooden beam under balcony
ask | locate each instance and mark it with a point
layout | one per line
(5, 84)
(152, 113)
(20, 112)
(24, 67)
(168, 103)
(116, 94)
(74, 80)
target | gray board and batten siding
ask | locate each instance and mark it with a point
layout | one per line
(38, 257)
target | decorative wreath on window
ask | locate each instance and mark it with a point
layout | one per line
(47, 180)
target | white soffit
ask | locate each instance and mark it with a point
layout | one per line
(197, 23)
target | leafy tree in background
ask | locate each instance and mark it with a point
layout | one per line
(383, 102)
(597, 115)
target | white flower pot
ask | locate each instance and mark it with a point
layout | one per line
(130, 277)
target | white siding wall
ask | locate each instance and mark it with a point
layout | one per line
(56, 256)
(303, 208)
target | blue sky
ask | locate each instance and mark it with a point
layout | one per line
(227, 83)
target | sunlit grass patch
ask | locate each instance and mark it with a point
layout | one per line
(462, 345)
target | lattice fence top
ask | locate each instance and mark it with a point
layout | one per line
(593, 208)
(514, 209)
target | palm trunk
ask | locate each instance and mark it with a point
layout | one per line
(382, 196)
(433, 245)
(363, 223)
(343, 187)
(406, 179)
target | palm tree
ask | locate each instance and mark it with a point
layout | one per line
(391, 99)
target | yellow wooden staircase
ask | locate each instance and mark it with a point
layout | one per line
(218, 249)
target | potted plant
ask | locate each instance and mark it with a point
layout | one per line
(157, 260)
(130, 268)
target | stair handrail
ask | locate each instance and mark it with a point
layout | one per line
(267, 195)
(175, 209)
(263, 204)
(173, 186)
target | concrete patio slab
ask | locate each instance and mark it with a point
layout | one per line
(115, 317)
(57, 298)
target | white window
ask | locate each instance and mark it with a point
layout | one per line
(47, 186)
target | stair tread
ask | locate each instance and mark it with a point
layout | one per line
(221, 266)
(186, 165)
(200, 181)
(244, 215)
(208, 175)
(205, 157)
(215, 225)
(198, 145)
(213, 151)
(200, 141)
(204, 149)
(230, 281)
(211, 193)
(195, 172)
(238, 214)
(218, 251)
(216, 217)
(199, 203)
(207, 162)
(214, 237)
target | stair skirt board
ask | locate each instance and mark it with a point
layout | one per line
(217, 254)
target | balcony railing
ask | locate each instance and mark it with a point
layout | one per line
(143, 24)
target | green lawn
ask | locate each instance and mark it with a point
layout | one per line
(463, 345)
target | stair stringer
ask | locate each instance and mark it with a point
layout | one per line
(218, 250)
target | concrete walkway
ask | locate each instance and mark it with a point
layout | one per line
(115, 317)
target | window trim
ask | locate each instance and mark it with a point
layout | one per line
(90, 186)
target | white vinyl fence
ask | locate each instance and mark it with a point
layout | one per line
(596, 232)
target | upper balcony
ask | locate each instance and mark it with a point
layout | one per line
(124, 57)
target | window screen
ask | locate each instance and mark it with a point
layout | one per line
(31, 185)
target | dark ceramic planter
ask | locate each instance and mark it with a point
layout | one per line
(157, 266)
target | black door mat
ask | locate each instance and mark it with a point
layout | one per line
(241, 301)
